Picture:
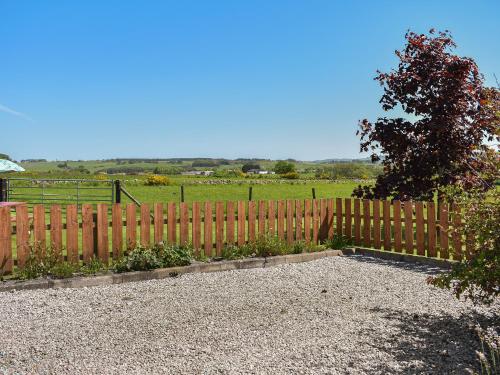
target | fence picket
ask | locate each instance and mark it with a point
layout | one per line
(131, 229)
(330, 213)
(338, 209)
(408, 211)
(323, 223)
(376, 224)
(357, 221)
(431, 229)
(241, 223)
(184, 223)
(172, 223)
(145, 225)
(251, 221)
(158, 222)
(396, 206)
(271, 223)
(5, 240)
(39, 228)
(262, 218)
(289, 221)
(56, 230)
(87, 232)
(72, 233)
(315, 221)
(348, 218)
(102, 233)
(443, 231)
(419, 218)
(207, 230)
(116, 230)
(22, 235)
(281, 220)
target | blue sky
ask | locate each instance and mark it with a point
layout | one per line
(271, 79)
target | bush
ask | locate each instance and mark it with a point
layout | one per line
(291, 175)
(283, 167)
(155, 180)
(338, 242)
(478, 277)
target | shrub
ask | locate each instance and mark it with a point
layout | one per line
(338, 242)
(478, 277)
(283, 167)
(156, 180)
(291, 175)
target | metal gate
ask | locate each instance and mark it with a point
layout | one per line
(57, 191)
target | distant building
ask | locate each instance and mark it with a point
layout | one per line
(197, 173)
(258, 171)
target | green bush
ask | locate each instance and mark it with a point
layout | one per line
(291, 176)
(338, 242)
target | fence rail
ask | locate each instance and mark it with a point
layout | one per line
(102, 230)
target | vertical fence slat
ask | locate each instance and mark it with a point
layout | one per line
(443, 231)
(5, 240)
(408, 210)
(315, 221)
(281, 219)
(431, 229)
(420, 228)
(357, 221)
(172, 223)
(397, 226)
(102, 233)
(323, 226)
(116, 230)
(219, 227)
(158, 222)
(184, 223)
(207, 230)
(241, 223)
(56, 229)
(39, 228)
(457, 234)
(145, 225)
(366, 223)
(131, 229)
(196, 231)
(376, 224)
(262, 218)
(22, 235)
(271, 223)
(338, 212)
(307, 221)
(87, 232)
(386, 212)
(230, 223)
(298, 220)
(289, 221)
(72, 233)
(348, 218)
(251, 221)
(331, 216)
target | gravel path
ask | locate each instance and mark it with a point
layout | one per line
(339, 315)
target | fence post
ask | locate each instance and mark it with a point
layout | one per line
(3, 190)
(94, 231)
(182, 193)
(250, 193)
(118, 191)
(314, 193)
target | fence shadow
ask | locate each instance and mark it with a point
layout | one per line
(412, 266)
(432, 344)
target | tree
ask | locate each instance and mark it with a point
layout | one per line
(450, 115)
(248, 166)
(4, 156)
(283, 167)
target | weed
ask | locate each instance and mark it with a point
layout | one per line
(338, 242)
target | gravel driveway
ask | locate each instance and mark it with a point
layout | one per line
(339, 315)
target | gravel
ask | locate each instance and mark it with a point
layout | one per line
(339, 315)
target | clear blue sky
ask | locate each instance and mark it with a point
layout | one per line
(273, 79)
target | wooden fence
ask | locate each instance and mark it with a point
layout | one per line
(420, 228)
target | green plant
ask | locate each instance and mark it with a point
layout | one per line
(489, 356)
(174, 255)
(291, 176)
(338, 242)
(63, 270)
(156, 180)
(139, 259)
(94, 266)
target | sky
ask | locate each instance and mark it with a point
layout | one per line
(269, 79)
